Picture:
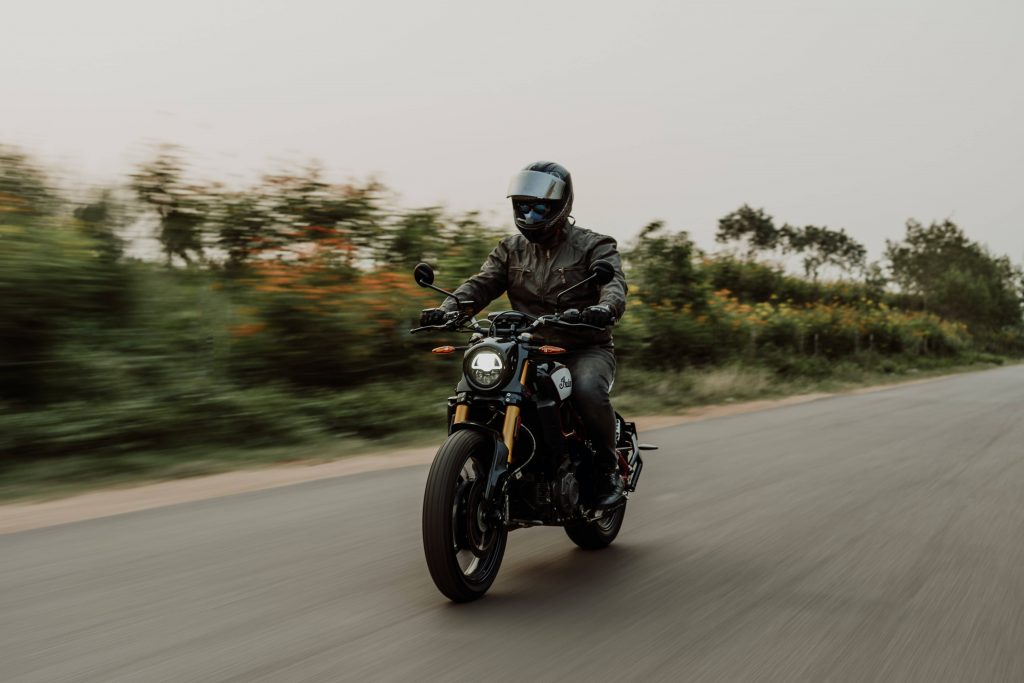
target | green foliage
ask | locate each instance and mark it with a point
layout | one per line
(752, 227)
(821, 247)
(467, 242)
(244, 226)
(414, 237)
(662, 268)
(306, 210)
(818, 246)
(55, 287)
(100, 221)
(664, 274)
(24, 188)
(182, 208)
(721, 309)
(757, 282)
(289, 321)
(956, 277)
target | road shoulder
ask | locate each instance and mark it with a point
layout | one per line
(23, 516)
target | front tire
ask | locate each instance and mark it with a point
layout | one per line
(463, 549)
(599, 533)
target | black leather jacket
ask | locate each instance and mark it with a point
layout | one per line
(534, 274)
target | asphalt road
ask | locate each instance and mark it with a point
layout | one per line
(866, 537)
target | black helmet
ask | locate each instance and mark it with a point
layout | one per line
(541, 199)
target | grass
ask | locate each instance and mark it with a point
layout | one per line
(637, 392)
(59, 477)
(648, 392)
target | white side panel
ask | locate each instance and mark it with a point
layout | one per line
(563, 382)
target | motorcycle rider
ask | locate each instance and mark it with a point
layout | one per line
(549, 254)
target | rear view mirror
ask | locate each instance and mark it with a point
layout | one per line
(601, 271)
(423, 274)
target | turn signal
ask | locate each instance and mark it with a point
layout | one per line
(551, 349)
(443, 349)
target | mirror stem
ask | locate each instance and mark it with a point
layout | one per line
(578, 284)
(442, 291)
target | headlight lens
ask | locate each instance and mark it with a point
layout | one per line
(486, 368)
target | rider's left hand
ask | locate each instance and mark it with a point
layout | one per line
(433, 316)
(598, 316)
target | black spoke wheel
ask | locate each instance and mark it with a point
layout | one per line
(597, 534)
(463, 545)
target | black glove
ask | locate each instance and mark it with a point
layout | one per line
(598, 316)
(432, 316)
(571, 316)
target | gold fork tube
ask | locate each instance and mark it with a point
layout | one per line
(461, 413)
(508, 432)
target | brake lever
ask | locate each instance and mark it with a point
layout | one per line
(589, 327)
(559, 321)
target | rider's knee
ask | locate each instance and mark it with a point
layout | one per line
(590, 388)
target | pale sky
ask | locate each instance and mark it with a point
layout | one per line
(848, 114)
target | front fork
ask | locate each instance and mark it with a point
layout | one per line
(502, 449)
(510, 429)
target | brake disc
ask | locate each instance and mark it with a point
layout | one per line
(479, 531)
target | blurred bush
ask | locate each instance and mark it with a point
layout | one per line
(694, 309)
(279, 313)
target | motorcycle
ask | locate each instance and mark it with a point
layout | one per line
(517, 453)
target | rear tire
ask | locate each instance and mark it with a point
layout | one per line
(599, 533)
(452, 516)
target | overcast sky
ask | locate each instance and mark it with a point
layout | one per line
(848, 114)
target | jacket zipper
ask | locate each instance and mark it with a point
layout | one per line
(521, 272)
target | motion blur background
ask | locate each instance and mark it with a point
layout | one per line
(209, 211)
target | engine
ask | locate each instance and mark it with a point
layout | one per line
(566, 493)
(546, 498)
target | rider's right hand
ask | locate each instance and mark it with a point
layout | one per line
(433, 316)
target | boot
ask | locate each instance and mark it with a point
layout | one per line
(611, 489)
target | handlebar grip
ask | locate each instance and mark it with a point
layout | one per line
(571, 316)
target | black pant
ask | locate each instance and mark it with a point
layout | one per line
(593, 371)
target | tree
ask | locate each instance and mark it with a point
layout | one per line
(752, 227)
(182, 208)
(24, 188)
(467, 243)
(313, 210)
(244, 225)
(822, 246)
(955, 277)
(671, 301)
(415, 236)
(99, 220)
(662, 267)
(875, 279)
(296, 213)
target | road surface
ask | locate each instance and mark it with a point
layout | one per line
(857, 538)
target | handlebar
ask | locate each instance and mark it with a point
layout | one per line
(564, 319)
(567, 319)
(572, 315)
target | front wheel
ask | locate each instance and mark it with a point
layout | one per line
(463, 545)
(597, 534)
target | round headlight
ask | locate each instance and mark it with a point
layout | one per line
(485, 368)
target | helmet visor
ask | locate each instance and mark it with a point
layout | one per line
(532, 212)
(537, 185)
